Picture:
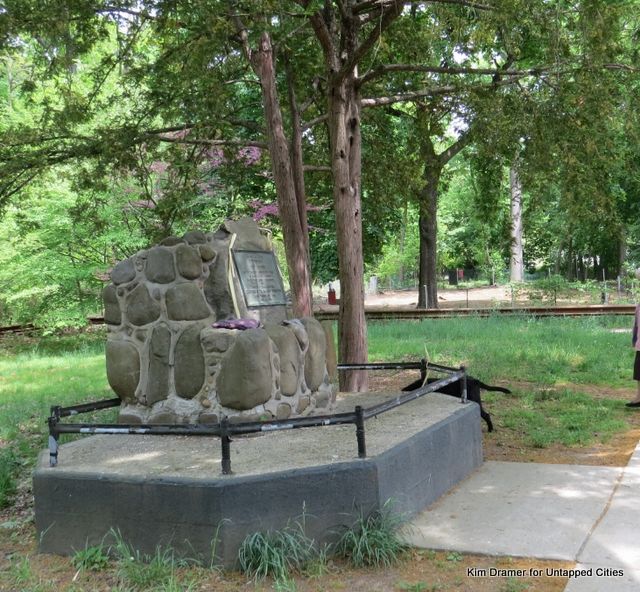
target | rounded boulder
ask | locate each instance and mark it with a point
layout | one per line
(316, 358)
(123, 368)
(290, 354)
(245, 379)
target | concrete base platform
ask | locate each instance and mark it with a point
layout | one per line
(169, 491)
(519, 509)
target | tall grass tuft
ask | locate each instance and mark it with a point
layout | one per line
(139, 571)
(373, 540)
(276, 553)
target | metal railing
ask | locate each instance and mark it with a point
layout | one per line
(225, 429)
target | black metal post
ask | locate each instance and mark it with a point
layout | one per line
(463, 385)
(423, 370)
(53, 420)
(226, 447)
(362, 446)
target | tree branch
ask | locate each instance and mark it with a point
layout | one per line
(364, 7)
(324, 36)
(407, 97)
(381, 70)
(457, 146)
(626, 67)
(313, 122)
(243, 36)
(316, 168)
(430, 92)
(388, 16)
(464, 3)
(205, 142)
(321, 30)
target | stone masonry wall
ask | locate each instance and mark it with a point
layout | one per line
(169, 365)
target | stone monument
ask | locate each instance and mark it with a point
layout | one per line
(176, 351)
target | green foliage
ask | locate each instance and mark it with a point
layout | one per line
(415, 587)
(21, 571)
(119, 126)
(146, 572)
(8, 472)
(399, 258)
(554, 288)
(515, 585)
(54, 248)
(544, 289)
(277, 553)
(373, 539)
(94, 558)
(322, 244)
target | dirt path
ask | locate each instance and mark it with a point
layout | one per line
(476, 297)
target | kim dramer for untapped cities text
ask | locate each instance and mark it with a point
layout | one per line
(533, 572)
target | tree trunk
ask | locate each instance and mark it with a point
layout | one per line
(428, 222)
(337, 27)
(402, 242)
(294, 236)
(517, 255)
(297, 166)
(428, 197)
(344, 130)
(581, 271)
(572, 264)
(557, 264)
(622, 251)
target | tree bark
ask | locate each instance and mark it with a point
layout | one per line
(622, 251)
(344, 131)
(338, 37)
(297, 166)
(572, 263)
(295, 242)
(402, 242)
(428, 222)
(517, 254)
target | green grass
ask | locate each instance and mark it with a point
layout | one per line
(564, 416)
(522, 348)
(278, 553)
(35, 374)
(373, 539)
(553, 357)
(158, 572)
(94, 558)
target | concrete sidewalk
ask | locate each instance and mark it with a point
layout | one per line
(586, 514)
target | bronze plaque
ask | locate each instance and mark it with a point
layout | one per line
(260, 278)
